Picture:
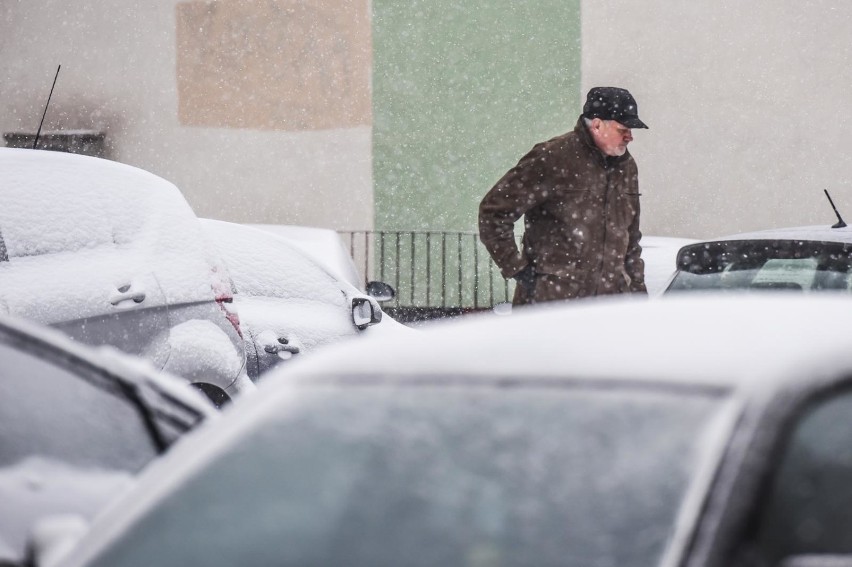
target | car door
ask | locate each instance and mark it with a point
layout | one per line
(74, 233)
(100, 295)
(799, 512)
(71, 257)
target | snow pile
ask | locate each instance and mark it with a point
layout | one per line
(37, 487)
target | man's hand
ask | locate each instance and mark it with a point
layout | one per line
(526, 278)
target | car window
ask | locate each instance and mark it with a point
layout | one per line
(764, 265)
(49, 411)
(809, 505)
(795, 273)
(457, 475)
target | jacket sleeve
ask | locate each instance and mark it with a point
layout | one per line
(634, 266)
(521, 189)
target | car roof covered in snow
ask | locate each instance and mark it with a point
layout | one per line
(709, 340)
(822, 233)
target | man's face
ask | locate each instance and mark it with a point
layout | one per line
(610, 136)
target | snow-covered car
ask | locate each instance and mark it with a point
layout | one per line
(288, 302)
(799, 259)
(75, 426)
(695, 432)
(323, 245)
(112, 254)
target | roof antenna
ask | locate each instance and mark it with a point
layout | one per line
(840, 223)
(35, 142)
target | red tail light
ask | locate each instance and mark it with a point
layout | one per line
(225, 303)
(221, 284)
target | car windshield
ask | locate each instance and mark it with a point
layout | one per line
(784, 265)
(449, 474)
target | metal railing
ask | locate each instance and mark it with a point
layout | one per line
(430, 269)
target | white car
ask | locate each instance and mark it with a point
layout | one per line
(697, 432)
(799, 259)
(323, 245)
(289, 303)
(76, 425)
(113, 255)
(660, 256)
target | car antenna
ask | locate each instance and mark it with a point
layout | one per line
(38, 133)
(840, 223)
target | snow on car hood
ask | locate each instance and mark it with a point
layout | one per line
(323, 245)
(37, 487)
(720, 340)
(263, 265)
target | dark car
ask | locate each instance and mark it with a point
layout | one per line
(693, 432)
(803, 259)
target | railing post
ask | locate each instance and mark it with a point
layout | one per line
(413, 284)
(398, 291)
(443, 269)
(428, 269)
(491, 283)
(461, 300)
(382, 254)
(475, 273)
(367, 257)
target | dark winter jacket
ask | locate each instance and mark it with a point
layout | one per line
(582, 220)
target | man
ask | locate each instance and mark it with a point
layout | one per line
(580, 195)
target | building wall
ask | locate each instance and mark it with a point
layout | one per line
(461, 91)
(259, 110)
(747, 104)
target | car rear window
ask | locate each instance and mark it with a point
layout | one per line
(777, 265)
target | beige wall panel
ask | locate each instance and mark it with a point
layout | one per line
(274, 64)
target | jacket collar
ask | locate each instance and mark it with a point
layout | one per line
(602, 158)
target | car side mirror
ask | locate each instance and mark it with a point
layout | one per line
(365, 312)
(380, 291)
(815, 560)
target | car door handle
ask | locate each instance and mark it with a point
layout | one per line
(279, 347)
(125, 293)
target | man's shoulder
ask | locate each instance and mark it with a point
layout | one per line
(562, 143)
(570, 137)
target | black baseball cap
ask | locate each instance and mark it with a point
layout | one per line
(613, 103)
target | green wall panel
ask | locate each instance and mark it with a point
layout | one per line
(461, 89)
